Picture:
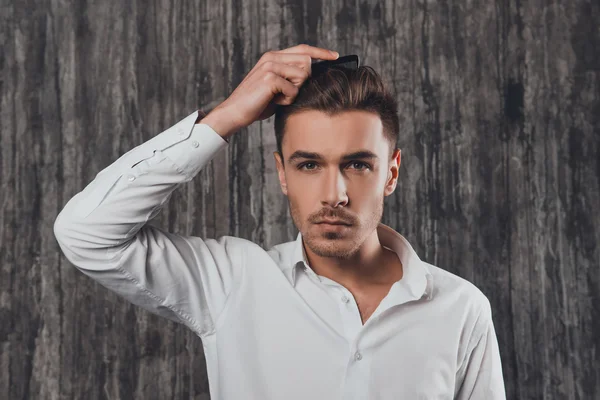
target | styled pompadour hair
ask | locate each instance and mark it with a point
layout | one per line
(340, 89)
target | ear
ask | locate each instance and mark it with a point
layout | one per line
(280, 172)
(392, 177)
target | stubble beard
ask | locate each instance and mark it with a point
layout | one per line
(341, 245)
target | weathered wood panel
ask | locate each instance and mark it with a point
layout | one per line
(500, 179)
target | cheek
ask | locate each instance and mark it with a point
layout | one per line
(368, 185)
(370, 193)
(367, 199)
(299, 199)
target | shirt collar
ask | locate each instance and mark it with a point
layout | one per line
(417, 278)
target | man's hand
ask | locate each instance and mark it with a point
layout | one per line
(275, 79)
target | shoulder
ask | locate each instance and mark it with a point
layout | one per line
(281, 253)
(250, 251)
(232, 248)
(458, 292)
(463, 303)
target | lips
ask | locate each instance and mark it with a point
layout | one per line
(333, 222)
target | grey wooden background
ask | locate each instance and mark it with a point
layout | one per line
(499, 182)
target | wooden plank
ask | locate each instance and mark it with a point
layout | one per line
(499, 182)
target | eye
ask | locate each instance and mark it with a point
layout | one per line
(353, 163)
(367, 166)
(301, 166)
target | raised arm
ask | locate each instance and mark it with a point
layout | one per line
(103, 230)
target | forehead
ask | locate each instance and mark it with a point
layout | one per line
(334, 135)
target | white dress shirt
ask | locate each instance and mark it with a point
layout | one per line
(270, 326)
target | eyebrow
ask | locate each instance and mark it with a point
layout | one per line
(361, 154)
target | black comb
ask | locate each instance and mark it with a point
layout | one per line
(350, 62)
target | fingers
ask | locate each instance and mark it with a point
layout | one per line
(296, 75)
(286, 70)
(285, 80)
(313, 52)
(302, 61)
(285, 91)
(301, 56)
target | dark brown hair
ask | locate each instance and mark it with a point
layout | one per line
(340, 89)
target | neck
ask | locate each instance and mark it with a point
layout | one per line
(371, 265)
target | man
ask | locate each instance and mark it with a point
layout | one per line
(347, 310)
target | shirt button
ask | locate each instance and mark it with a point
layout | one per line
(358, 356)
(131, 178)
(345, 299)
(195, 143)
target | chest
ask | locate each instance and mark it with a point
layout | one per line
(368, 301)
(270, 332)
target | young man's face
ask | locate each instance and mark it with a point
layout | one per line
(351, 190)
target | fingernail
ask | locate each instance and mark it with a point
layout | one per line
(335, 53)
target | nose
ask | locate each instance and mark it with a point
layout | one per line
(334, 189)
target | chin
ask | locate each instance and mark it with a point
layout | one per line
(332, 249)
(330, 244)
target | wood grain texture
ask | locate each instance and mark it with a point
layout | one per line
(499, 182)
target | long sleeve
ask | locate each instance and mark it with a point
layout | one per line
(103, 231)
(482, 370)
